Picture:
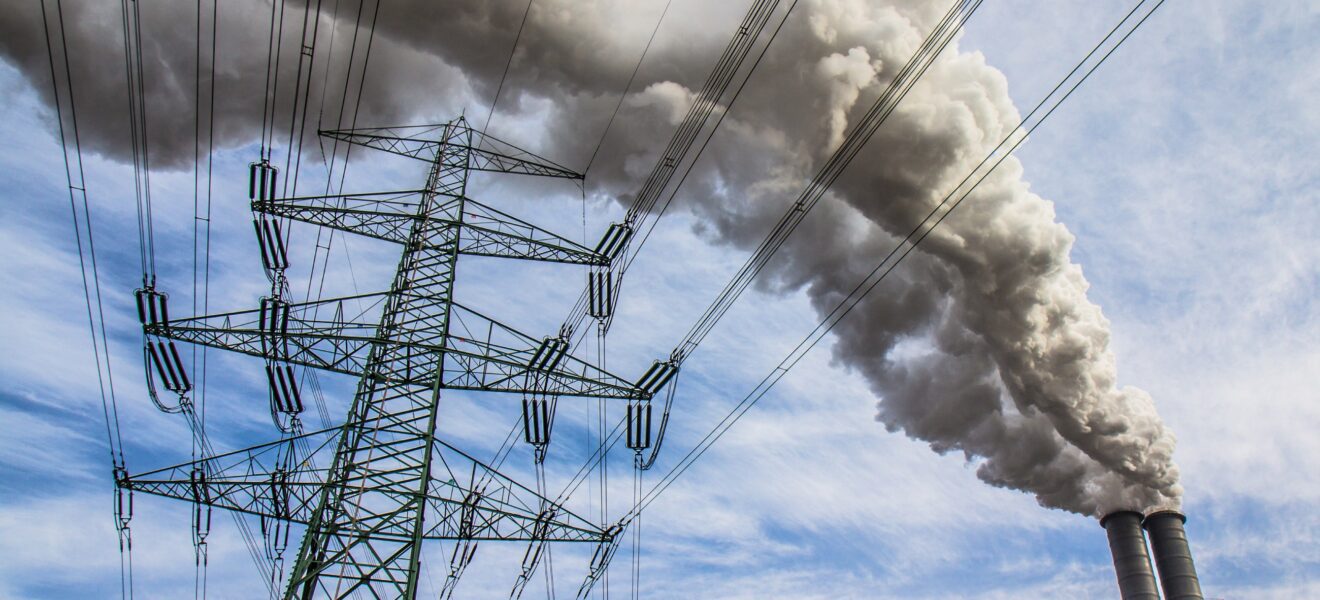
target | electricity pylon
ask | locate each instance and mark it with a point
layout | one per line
(391, 483)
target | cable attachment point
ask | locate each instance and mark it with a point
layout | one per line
(639, 426)
(539, 405)
(549, 354)
(201, 496)
(600, 290)
(614, 241)
(275, 528)
(262, 177)
(600, 560)
(123, 507)
(284, 395)
(273, 319)
(270, 237)
(164, 356)
(538, 418)
(152, 308)
(468, 513)
(466, 548)
(656, 377)
(535, 549)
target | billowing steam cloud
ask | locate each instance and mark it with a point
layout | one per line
(982, 343)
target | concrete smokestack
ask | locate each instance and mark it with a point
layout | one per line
(1127, 543)
(1173, 557)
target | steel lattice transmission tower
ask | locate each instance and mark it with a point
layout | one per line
(390, 483)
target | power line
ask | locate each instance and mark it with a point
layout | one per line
(1008, 144)
(137, 115)
(898, 89)
(201, 237)
(507, 64)
(95, 320)
(717, 82)
(676, 152)
(626, 88)
(634, 252)
(310, 375)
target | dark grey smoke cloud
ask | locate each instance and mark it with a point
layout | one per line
(988, 345)
(982, 343)
(429, 60)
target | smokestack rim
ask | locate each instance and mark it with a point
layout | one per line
(1114, 513)
(1163, 513)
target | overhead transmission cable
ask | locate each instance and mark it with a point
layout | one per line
(898, 89)
(137, 116)
(309, 378)
(302, 94)
(284, 413)
(630, 254)
(626, 88)
(834, 166)
(1097, 56)
(716, 84)
(275, 40)
(707, 100)
(75, 179)
(512, 51)
(864, 287)
(916, 66)
(135, 84)
(202, 264)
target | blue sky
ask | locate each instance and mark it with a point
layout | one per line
(1185, 168)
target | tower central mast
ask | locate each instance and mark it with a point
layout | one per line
(382, 468)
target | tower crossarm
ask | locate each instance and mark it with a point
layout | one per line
(467, 499)
(389, 216)
(481, 353)
(317, 334)
(486, 152)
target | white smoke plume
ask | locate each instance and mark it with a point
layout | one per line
(983, 342)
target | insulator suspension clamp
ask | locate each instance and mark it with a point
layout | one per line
(657, 376)
(270, 237)
(284, 395)
(614, 241)
(549, 354)
(262, 177)
(164, 356)
(152, 307)
(600, 290)
(538, 415)
(639, 425)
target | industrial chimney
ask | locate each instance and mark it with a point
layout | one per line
(1127, 543)
(1173, 557)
